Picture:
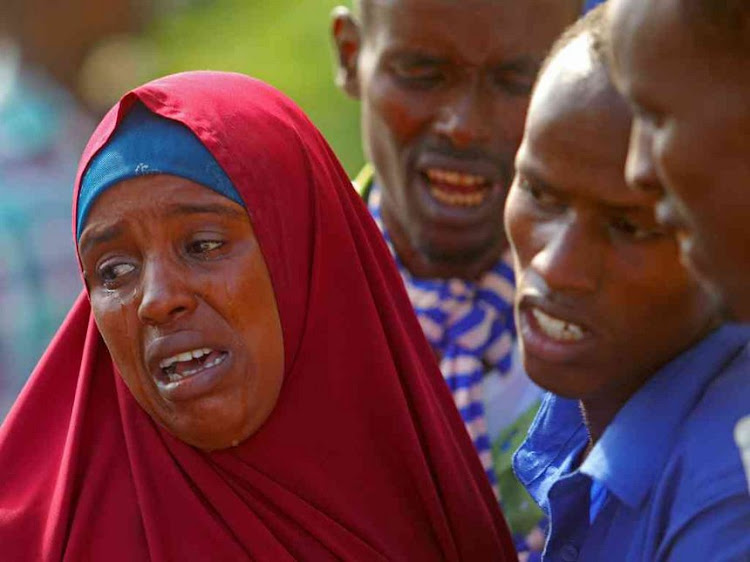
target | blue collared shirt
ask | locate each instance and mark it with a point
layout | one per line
(668, 480)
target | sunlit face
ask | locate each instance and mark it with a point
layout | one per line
(444, 87)
(183, 298)
(691, 134)
(602, 299)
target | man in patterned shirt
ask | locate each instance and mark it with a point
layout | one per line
(444, 87)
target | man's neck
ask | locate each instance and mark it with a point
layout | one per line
(421, 266)
(597, 415)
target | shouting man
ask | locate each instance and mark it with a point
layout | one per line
(444, 86)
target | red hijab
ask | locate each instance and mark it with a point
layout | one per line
(364, 457)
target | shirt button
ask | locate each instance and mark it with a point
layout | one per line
(569, 553)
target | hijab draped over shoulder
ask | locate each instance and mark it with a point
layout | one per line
(363, 458)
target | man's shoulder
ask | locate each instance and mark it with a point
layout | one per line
(706, 457)
(702, 495)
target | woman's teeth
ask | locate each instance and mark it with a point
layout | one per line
(557, 329)
(456, 188)
(190, 363)
(185, 356)
(177, 377)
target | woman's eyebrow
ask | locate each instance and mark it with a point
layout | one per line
(89, 240)
(182, 209)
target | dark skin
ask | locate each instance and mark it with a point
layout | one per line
(173, 267)
(444, 87)
(57, 36)
(602, 299)
(691, 135)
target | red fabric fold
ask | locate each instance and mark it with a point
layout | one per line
(364, 457)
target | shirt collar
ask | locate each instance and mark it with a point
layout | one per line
(635, 446)
(633, 449)
(555, 439)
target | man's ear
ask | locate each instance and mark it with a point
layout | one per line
(347, 38)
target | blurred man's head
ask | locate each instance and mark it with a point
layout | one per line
(57, 35)
(444, 86)
(684, 65)
(602, 298)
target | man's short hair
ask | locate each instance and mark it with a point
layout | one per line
(593, 24)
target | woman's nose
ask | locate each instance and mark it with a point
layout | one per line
(166, 292)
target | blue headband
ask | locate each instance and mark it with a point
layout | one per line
(145, 143)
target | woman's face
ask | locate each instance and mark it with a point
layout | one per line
(183, 298)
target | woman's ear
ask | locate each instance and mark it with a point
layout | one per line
(346, 33)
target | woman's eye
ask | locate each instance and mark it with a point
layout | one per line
(203, 247)
(111, 273)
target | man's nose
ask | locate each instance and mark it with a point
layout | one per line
(640, 171)
(465, 119)
(571, 259)
(166, 293)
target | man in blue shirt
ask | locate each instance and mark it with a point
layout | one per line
(631, 455)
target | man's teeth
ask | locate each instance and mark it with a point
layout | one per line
(460, 199)
(458, 179)
(456, 188)
(185, 356)
(557, 329)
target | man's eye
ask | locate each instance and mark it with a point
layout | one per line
(514, 82)
(539, 195)
(627, 227)
(420, 75)
(203, 247)
(111, 273)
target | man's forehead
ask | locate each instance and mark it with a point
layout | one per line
(578, 125)
(477, 28)
(576, 6)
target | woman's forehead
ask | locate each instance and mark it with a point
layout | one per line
(157, 197)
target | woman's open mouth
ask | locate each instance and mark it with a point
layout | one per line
(183, 365)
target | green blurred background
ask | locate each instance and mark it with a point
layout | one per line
(283, 42)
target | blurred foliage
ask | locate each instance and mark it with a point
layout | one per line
(283, 42)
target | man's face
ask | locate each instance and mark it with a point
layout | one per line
(602, 299)
(444, 87)
(691, 134)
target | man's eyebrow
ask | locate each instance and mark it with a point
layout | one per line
(412, 56)
(526, 64)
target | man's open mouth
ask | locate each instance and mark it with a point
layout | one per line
(457, 189)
